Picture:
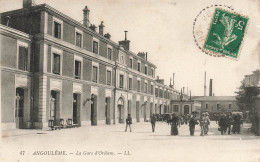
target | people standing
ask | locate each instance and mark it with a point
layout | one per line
(222, 124)
(207, 123)
(229, 121)
(202, 124)
(174, 124)
(128, 122)
(153, 121)
(237, 122)
(192, 124)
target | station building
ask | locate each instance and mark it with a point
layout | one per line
(54, 67)
(217, 104)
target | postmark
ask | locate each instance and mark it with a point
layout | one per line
(219, 31)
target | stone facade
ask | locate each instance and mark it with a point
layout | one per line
(72, 72)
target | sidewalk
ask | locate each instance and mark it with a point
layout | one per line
(22, 132)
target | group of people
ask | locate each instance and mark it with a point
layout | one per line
(227, 120)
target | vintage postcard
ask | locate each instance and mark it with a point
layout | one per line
(130, 80)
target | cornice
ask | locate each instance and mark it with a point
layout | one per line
(14, 33)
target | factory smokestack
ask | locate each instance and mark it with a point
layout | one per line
(205, 86)
(210, 87)
(173, 80)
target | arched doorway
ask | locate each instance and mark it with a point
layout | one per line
(120, 110)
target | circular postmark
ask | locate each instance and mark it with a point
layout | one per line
(218, 31)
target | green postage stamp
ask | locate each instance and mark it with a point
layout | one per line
(226, 33)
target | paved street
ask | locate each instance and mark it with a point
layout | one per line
(111, 143)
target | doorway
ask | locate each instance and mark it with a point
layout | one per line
(107, 110)
(54, 107)
(145, 116)
(120, 110)
(137, 112)
(76, 108)
(93, 113)
(19, 108)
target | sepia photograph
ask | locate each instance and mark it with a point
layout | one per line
(130, 80)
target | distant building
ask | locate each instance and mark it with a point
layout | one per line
(252, 79)
(216, 104)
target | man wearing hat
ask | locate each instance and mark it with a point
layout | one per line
(192, 123)
(207, 123)
(202, 124)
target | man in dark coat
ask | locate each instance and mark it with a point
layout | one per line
(222, 124)
(192, 124)
(236, 125)
(174, 124)
(153, 121)
(128, 122)
(229, 121)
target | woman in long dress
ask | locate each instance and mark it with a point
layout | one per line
(174, 124)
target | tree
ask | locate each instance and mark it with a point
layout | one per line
(245, 96)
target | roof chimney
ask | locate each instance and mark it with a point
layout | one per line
(210, 87)
(125, 35)
(101, 28)
(146, 56)
(125, 43)
(108, 36)
(28, 3)
(93, 27)
(86, 16)
(173, 80)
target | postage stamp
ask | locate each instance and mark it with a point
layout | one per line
(226, 33)
(219, 31)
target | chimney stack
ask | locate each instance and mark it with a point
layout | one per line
(28, 3)
(173, 80)
(125, 35)
(86, 16)
(125, 43)
(210, 87)
(146, 56)
(101, 28)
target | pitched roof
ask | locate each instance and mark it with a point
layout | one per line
(215, 98)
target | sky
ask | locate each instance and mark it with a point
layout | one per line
(163, 28)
